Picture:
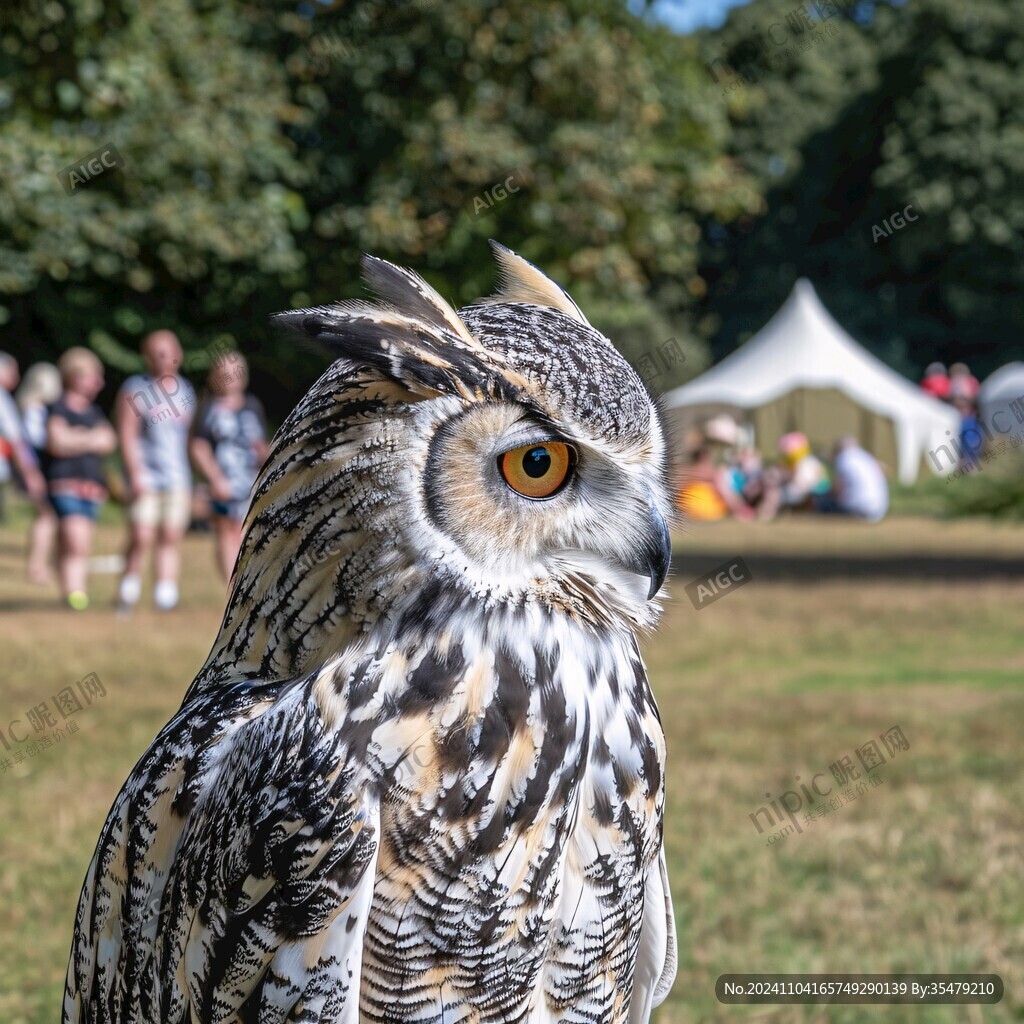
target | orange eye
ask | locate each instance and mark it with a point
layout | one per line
(537, 470)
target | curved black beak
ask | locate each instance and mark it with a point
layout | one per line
(656, 554)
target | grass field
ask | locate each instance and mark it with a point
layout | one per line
(782, 678)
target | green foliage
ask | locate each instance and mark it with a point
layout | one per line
(995, 491)
(997, 495)
(265, 146)
(917, 103)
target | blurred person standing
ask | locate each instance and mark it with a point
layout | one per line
(859, 487)
(78, 436)
(40, 388)
(228, 447)
(971, 440)
(153, 412)
(15, 451)
(963, 383)
(935, 381)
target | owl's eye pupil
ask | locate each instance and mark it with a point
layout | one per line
(537, 462)
(538, 470)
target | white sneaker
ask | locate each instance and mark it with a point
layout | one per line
(165, 595)
(128, 593)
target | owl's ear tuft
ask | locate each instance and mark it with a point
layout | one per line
(409, 294)
(520, 281)
(424, 357)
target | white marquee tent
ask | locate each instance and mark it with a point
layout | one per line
(802, 371)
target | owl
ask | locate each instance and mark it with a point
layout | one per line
(421, 775)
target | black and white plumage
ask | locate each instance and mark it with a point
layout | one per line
(421, 775)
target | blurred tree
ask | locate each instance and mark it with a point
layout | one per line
(265, 147)
(201, 217)
(915, 104)
(569, 130)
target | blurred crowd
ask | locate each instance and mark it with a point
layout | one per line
(727, 476)
(959, 387)
(57, 445)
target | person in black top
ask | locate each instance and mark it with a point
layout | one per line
(78, 436)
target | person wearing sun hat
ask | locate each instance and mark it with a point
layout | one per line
(710, 490)
(722, 429)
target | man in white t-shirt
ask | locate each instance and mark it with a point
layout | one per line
(154, 411)
(859, 487)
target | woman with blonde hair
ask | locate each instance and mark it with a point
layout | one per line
(78, 436)
(40, 388)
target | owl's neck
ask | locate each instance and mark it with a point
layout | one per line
(357, 595)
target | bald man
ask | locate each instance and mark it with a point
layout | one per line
(154, 412)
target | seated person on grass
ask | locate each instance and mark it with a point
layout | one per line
(859, 487)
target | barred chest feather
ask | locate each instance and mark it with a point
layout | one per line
(520, 767)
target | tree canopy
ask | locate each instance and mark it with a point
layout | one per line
(916, 104)
(677, 185)
(265, 147)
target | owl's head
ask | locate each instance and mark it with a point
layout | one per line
(501, 455)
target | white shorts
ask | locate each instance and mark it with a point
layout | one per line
(172, 509)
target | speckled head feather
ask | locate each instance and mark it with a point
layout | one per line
(557, 354)
(420, 778)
